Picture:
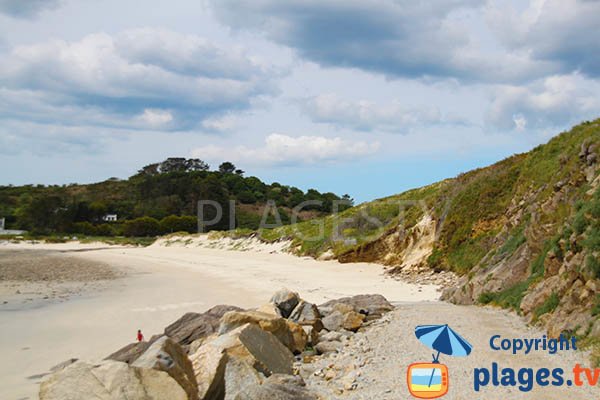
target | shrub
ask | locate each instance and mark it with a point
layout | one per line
(85, 228)
(144, 226)
(547, 306)
(508, 298)
(593, 265)
(174, 223)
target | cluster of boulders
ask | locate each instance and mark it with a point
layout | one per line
(223, 353)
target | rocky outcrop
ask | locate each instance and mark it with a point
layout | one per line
(110, 380)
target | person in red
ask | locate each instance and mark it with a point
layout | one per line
(140, 336)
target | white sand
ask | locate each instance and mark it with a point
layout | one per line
(164, 283)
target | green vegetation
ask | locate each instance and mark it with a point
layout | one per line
(161, 198)
(547, 306)
(514, 242)
(507, 298)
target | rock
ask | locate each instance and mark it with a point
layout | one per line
(343, 308)
(330, 336)
(168, 356)
(209, 363)
(128, 354)
(595, 331)
(275, 325)
(110, 380)
(334, 321)
(194, 326)
(372, 305)
(328, 347)
(278, 387)
(353, 321)
(270, 308)
(536, 296)
(305, 313)
(247, 343)
(312, 335)
(286, 301)
(63, 365)
(299, 337)
(239, 374)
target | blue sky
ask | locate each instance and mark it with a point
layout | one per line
(366, 97)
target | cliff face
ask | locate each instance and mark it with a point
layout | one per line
(523, 233)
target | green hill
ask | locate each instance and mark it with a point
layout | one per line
(160, 198)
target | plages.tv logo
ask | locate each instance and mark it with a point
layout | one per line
(430, 380)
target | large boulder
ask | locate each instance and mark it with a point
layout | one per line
(168, 356)
(194, 326)
(286, 301)
(110, 380)
(239, 374)
(273, 324)
(209, 364)
(373, 306)
(248, 344)
(128, 354)
(305, 313)
(277, 387)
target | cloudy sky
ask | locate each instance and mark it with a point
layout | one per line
(366, 97)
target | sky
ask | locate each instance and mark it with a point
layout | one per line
(365, 97)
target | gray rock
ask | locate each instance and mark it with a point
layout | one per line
(194, 326)
(168, 356)
(334, 321)
(371, 305)
(128, 354)
(286, 301)
(328, 347)
(239, 374)
(305, 313)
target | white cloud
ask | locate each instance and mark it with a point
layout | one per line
(281, 149)
(368, 116)
(225, 123)
(564, 32)
(156, 118)
(130, 78)
(555, 101)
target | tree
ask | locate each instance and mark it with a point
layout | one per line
(195, 164)
(227, 168)
(240, 172)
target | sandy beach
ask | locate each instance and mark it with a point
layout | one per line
(152, 287)
(112, 291)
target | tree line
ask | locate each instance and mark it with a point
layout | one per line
(159, 198)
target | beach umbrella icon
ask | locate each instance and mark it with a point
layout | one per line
(444, 340)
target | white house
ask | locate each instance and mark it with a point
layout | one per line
(110, 218)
